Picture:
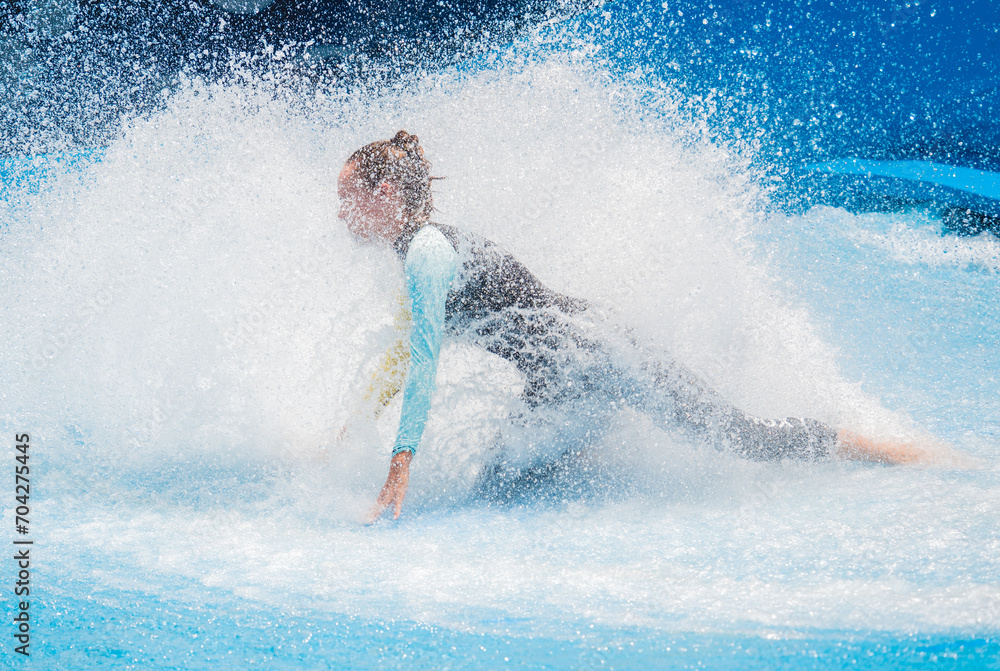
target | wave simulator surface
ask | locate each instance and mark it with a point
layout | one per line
(188, 325)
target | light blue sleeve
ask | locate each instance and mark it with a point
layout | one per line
(430, 267)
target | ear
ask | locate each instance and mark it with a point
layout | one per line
(386, 190)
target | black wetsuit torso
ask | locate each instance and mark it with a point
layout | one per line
(501, 306)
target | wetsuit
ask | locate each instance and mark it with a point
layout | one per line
(469, 287)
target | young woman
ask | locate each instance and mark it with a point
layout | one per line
(577, 370)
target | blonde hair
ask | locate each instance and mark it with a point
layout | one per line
(399, 161)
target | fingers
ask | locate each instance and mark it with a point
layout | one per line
(384, 501)
(377, 508)
(385, 497)
(394, 490)
(399, 493)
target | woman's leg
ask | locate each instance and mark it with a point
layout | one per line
(677, 399)
(580, 374)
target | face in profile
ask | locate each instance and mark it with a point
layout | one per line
(371, 215)
(357, 206)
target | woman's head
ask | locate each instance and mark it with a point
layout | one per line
(385, 187)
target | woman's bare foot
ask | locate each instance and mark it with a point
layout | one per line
(860, 448)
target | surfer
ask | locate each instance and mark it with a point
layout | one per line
(578, 368)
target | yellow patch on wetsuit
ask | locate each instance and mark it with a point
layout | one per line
(390, 375)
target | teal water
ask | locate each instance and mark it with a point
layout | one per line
(102, 632)
(187, 328)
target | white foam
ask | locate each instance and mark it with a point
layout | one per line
(915, 238)
(193, 318)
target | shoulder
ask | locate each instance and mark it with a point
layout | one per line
(430, 250)
(429, 242)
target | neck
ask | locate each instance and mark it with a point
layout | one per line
(406, 228)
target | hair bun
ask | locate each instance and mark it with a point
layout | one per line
(404, 140)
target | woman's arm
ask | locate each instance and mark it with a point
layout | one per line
(430, 267)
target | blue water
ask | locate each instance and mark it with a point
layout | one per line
(910, 309)
(100, 632)
(187, 327)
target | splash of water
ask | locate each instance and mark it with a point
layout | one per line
(188, 326)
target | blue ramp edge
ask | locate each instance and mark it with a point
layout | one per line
(970, 188)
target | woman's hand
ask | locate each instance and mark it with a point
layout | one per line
(394, 488)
